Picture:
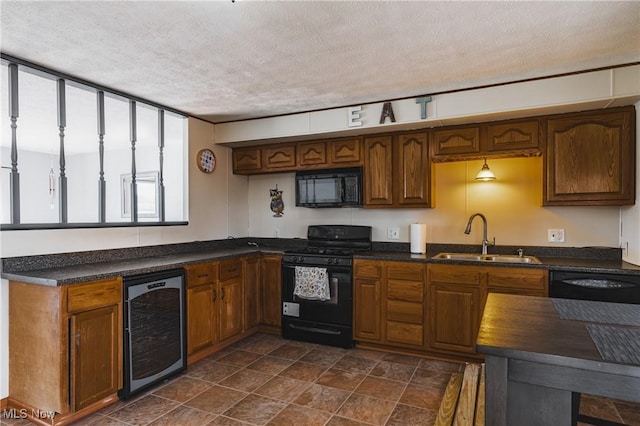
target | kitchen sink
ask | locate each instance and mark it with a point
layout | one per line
(497, 258)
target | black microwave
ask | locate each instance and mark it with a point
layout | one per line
(329, 188)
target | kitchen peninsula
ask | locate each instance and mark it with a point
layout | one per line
(538, 362)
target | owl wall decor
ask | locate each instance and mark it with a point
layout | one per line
(277, 205)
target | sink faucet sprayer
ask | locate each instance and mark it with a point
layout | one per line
(485, 242)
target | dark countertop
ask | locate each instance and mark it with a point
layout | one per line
(70, 268)
(94, 271)
(529, 328)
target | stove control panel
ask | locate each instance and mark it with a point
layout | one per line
(316, 260)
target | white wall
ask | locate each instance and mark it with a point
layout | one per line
(512, 205)
(217, 209)
(630, 215)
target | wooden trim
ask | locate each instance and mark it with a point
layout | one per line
(460, 358)
(3, 403)
(59, 419)
(197, 356)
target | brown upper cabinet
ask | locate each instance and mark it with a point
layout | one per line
(279, 157)
(247, 160)
(397, 170)
(275, 158)
(264, 159)
(590, 158)
(511, 138)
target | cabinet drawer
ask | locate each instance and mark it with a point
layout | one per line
(94, 295)
(405, 271)
(230, 269)
(455, 274)
(410, 334)
(518, 279)
(404, 312)
(367, 269)
(200, 274)
(412, 291)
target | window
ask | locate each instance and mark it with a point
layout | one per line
(77, 147)
(148, 187)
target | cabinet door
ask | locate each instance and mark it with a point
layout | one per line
(271, 290)
(201, 317)
(252, 296)
(247, 160)
(367, 324)
(367, 300)
(279, 158)
(521, 136)
(344, 152)
(95, 355)
(230, 308)
(378, 171)
(590, 159)
(454, 314)
(413, 170)
(457, 140)
(312, 154)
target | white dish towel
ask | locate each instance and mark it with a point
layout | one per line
(312, 283)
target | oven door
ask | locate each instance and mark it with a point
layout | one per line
(326, 322)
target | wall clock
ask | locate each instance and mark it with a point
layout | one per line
(206, 160)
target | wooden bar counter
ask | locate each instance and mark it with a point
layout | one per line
(538, 364)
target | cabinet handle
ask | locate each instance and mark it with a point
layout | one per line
(233, 270)
(77, 339)
(203, 276)
(222, 293)
(215, 294)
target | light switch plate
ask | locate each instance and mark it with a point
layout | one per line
(393, 233)
(555, 235)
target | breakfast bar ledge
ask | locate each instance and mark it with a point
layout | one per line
(539, 358)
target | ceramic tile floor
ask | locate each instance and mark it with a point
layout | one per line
(265, 379)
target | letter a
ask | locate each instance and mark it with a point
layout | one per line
(387, 111)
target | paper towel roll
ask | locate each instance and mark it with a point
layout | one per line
(418, 235)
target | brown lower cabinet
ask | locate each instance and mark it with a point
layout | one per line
(252, 294)
(434, 308)
(457, 294)
(214, 305)
(389, 303)
(271, 291)
(66, 346)
(230, 299)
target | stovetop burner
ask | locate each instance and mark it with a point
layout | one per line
(330, 245)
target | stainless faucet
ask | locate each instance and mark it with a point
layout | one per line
(485, 242)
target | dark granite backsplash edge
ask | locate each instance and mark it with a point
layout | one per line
(46, 261)
(603, 253)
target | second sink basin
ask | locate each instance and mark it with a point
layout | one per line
(474, 257)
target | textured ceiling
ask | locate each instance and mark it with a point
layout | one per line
(225, 61)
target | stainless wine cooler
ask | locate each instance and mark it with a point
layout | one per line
(154, 329)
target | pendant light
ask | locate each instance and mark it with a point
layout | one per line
(485, 173)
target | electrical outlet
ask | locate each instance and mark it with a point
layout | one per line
(393, 233)
(555, 235)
